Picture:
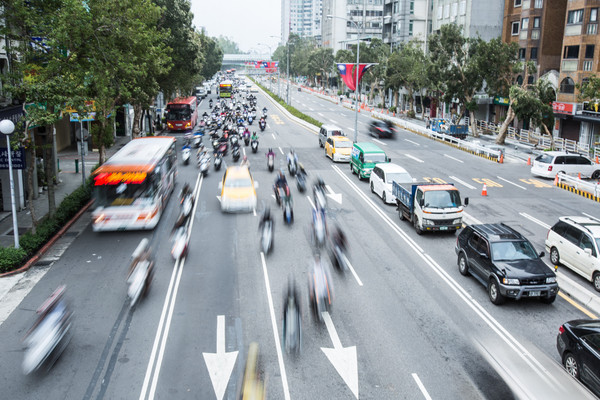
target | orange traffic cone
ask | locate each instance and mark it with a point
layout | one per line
(597, 162)
(484, 190)
(501, 158)
(556, 180)
(579, 175)
(528, 160)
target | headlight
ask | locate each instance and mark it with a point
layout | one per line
(551, 279)
(456, 221)
(428, 222)
(510, 281)
(99, 219)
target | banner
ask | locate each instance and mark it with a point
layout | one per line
(348, 73)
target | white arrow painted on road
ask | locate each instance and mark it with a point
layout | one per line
(344, 359)
(334, 196)
(220, 364)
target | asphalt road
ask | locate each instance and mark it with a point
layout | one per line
(402, 326)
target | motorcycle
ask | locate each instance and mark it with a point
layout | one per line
(180, 243)
(319, 226)
(141, 272)
(264, 113)
(254, 145)
(235, 152)
(250, 119)
(320, 290)
(204, 164)
(186, 152)
(292, 166)
(271, 161)
(288, 212)
(218, 161)
(338, 257)
(301, 181)
(292, 323)
(210, 103)
(281, 193)
(246, 136)
(197, 139)
(266, 237)
(222, 149)
(50, 335)
(320, 198)
(262, 124)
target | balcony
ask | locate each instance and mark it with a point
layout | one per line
(573, 30)
(569, 65)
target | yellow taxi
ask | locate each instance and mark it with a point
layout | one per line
(238, 190)
(338, 148)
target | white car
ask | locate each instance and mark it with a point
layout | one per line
(550, 163)
(575, 243)
(381, 179)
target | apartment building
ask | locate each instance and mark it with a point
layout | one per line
(476, 17)
(405, 20)
(301, 17)
(352, 19)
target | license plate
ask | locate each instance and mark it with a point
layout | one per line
(535, 294)
(443, 228)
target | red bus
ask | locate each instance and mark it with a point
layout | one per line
(182, 114)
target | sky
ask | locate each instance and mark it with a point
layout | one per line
(246, 22)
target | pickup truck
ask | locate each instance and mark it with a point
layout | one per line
(429, 206)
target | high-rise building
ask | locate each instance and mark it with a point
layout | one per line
(353, 19)
(476, 17)
(405, 20)
(301, 17)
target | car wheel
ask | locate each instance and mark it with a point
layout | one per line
(416, 225)
(596, 280)
(596, 174)
(351, 168)
(571, 365)
(463, 267)
(554, 256)
(372, 189)
(494, 292)
(383, 197)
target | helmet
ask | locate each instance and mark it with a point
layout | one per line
(281, 173)
(245, 158)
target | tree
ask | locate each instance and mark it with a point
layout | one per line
(227, 45)
(379, 54)
(534, 102)
(408, 68)
(321, 62)
(213, 56)
(458, 60)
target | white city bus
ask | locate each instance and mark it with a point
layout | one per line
(132, 188)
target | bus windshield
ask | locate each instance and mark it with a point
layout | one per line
(125, 194)
(179, 114)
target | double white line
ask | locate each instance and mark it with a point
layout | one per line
(512, 343)
(162, 333)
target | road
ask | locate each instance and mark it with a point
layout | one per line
(403, 326)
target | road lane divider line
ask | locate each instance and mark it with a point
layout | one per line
(510, 340)
(512, 183)
(577, 306)
(274, 138)
(169, 299)
(380, 142)
(321, 114)
(421, 386)
(469, 217)
(537, 221)
(414, 158)
(468, 185)
(286, 390)
(413, 142)
(281, 151)
(454, 158)
(334, 122)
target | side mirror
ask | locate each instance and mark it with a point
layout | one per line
(542, 254)
(466, 201)
(421, 202)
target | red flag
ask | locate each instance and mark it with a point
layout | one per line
(348, 73)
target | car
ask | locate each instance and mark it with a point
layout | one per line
(327, 131)
(200, 92)
(505, 262)
(575, 243)
(381, 179)
(238, 190)
(550, 163)
(338, 148)
(381, 129)
(254, 89)
(578, 345)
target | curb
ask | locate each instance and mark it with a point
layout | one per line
(580, 192)
(49, 244)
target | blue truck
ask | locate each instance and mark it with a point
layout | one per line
(448, 128)
(430, 206)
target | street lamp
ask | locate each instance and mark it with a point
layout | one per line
(7, 127)
(356, 68)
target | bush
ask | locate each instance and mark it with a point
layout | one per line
(9, 257)
(411, 113)
(393, 109)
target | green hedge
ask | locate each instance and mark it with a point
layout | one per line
(11, 258)
(291, 109)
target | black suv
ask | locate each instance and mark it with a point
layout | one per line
(505, 262)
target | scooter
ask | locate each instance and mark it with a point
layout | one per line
(292, 324)
(197, 139)
(262, 124)
(292, 167)
(301, 181)
(246, 136)
(288, 212)
(266, 237)
(320, 290)
(319, 227)
(320, 199)
(270, 162)
(186, 152)
(250, 119)
(254, 145)
(180, 243)
(204, 165)
(140, 273)
(235, 152)
(218, 161)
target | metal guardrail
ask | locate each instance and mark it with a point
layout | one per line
(578, 184)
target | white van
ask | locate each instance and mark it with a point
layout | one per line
(329, 130)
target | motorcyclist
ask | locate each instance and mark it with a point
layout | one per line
(271, 153)
(205, 115)
(291, 310)
(254, 136)
(320, 288)
(245, 162)
(264, 110)
(186, 190)
(292, 157)
(266, 217)
(338, 238)
(281, 181)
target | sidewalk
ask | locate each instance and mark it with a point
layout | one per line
(69, 180)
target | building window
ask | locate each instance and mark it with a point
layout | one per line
(524, 24)
(539, 3)
(575, 17)
(535, 34)
(410, 28)
(519, 80)
(515, 28)
(592, 29)
(440, 12)
(446, 10)
(412, 7)
(517, 3)
(462, 7)
(536, 22)
(587, 65)
(567, 85)
(593, 15)
(522, 53)
(571, 52)
(394, 28)
(454, 9)
(589, 51)
(533, 53)
(530, 79)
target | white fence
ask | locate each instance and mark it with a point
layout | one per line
(578, 184)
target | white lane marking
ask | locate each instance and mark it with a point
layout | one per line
(310, 109)
(352, 270)
(303, 105)
(281, 151)
(351, 129)
(244, 150)
(414, 158)
(320, 114)
(13, 289)
(413, 142)
(220, 364)
(537, 221)
(311, 202)
(589, 216)
(272, 134)
(514, 184)
(380, 142)
(166, 315)
(445, 277)
(421, 386)
(453, 158)
(463, 182)
(342, 114)
(468, 217)
(334, 122)
(286, 390)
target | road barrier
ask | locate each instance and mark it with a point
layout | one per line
(586, 189)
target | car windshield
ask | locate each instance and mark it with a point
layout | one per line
(442, 199)
(375, 157)
(337, 133)
(238, 183)
(400, 177)
(512, 251)
(343, 144)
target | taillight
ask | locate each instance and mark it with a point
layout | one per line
(561, 330)
(549, 167)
